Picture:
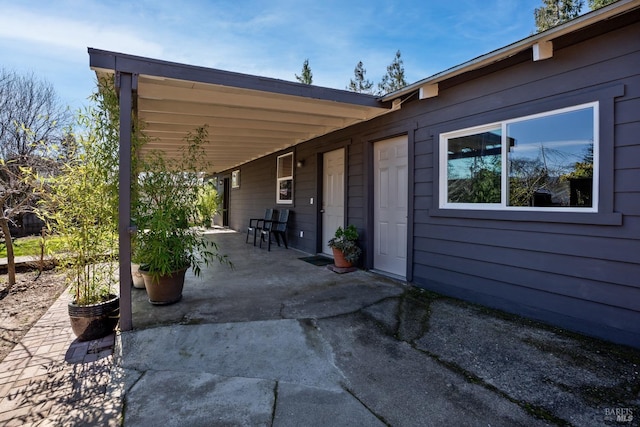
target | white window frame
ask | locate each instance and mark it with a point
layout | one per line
(280, 179)
(503, 205)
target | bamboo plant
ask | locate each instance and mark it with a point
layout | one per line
(168, 208)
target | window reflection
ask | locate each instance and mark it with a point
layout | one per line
(547, 160)
(474, 168)
(551, 160)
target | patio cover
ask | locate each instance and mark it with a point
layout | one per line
(247, 116)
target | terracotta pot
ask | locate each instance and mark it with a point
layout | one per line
(138, 280)
(166, 289)
(90, 322)
(338, 259)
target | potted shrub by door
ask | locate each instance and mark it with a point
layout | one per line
(167, 246)
(345, 248)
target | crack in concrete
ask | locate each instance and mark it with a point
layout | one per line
(398, 335)
(371, 411)
(534, 410)
(275, 402)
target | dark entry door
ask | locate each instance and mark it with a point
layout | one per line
(226, 190)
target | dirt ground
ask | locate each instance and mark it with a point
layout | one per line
(25, 303)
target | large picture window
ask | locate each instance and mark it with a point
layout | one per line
(284, 186)
(546, 161)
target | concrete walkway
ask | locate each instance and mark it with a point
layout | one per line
(278, 341)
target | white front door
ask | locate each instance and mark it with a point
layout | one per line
(390, 205)
(332, 196)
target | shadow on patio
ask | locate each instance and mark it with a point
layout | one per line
(263, 286)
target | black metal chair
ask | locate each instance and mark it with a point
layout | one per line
(277, 228)
(256, 224)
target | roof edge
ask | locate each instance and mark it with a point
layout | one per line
(121, 62)
(618, 8)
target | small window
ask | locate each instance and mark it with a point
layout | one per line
(284, 188)
(235, 179)
(543, 162)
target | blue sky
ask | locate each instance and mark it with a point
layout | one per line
(268, 38)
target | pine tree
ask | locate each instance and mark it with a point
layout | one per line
(307, 76)
(394, 79)
(359, 83)
(556, 12)
(597, 4)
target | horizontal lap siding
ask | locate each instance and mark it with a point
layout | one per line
(621, 325)
(257, 192)
(533, 270)
(586, 277)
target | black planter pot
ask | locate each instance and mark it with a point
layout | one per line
(90, 322)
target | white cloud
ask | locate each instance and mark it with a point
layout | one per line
(269, 39)
(34, 27)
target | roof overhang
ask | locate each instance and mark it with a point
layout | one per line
(247, 116)
(541, 44)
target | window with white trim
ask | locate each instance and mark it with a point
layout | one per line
(284, 186)
(547, 161)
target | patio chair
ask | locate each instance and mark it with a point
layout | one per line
(256, 224)
(277, 228)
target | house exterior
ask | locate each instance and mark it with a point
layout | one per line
(512, 180)
(404, 180)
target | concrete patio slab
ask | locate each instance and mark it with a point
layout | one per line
(170, 398)
(312, 407)
(277, 350)
(279, 342)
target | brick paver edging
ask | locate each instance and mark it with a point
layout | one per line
(49, 378)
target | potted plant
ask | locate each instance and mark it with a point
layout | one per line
(136, 276)
(167, 244)
(345, 247)
(79, 202)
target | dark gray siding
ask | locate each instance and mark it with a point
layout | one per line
(579, 271)
(585, 276)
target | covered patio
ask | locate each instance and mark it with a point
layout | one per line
(263, 285)
(248, 117)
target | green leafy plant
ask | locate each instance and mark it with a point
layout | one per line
(208, 205)
(346, 241)
(77, 207)
(168, 202)
(80, 201)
